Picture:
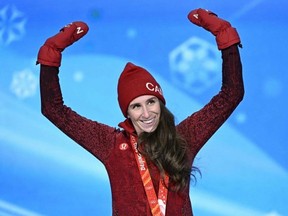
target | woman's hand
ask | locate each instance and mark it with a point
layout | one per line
(225, 34)
(50, 53)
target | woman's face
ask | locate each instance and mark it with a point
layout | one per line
(144, 112)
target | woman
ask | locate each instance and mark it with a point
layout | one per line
(149, 160)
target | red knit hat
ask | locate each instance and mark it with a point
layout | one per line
(133, 82)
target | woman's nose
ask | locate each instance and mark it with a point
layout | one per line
(145, 112)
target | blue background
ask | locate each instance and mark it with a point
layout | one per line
(244, 165)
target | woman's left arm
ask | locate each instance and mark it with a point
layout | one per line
(199, 127)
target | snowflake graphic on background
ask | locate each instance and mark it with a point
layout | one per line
(12, 25)
(195, 65)
(24, 84)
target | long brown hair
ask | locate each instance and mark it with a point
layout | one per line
(167, 150)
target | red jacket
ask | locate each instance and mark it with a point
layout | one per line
(106, 143)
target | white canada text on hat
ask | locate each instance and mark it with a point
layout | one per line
(153, 88)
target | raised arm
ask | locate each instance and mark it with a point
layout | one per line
(199, 127)
(93, 136)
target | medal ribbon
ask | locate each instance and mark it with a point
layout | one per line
(157, 206)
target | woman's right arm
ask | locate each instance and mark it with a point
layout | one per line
(97, 138)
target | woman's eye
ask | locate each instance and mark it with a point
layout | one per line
(135, 106)
(152, 101)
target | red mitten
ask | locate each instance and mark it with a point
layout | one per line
(50, 53)
(225, 34)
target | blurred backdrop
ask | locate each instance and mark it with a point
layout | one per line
(244, 165)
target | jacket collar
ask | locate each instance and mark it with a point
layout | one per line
(127, 126)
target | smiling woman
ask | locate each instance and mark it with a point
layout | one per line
(248, 154)
(144, 113)
(149, 159)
